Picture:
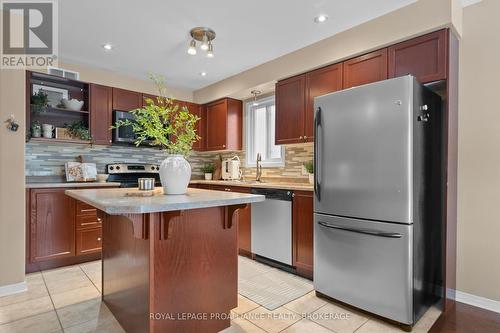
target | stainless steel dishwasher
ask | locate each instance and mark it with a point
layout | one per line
(272, 225)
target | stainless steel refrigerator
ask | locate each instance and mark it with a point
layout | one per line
(378, 209)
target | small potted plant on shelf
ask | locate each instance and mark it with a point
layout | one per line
(36, 129)
(39, 101)
(309, 166)
(161, 122)
(208, 170)
(79, 130)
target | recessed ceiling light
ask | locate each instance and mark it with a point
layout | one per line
(107, 46)
(203, 73)
(320, 18)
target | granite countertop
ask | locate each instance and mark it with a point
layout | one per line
(115, 202)
(254, 184)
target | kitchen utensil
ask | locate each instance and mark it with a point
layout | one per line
(146, 184)
(141, 193)
(231, 168)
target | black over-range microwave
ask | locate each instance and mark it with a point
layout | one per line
(123, 134)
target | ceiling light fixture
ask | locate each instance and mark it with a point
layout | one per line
(203, 73)
(192, 47)
(107, 46)
(205, 36)
(320, 18)
(210, 52)
(255, 93)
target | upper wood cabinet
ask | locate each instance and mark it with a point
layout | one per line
(51, 225)
(424, 57)
(101, 113)
(224, 125)
(126, 100)
(146, 96)
(368, 68)
(290, 110)
(201, 126)
(302, 237)
(319, 82)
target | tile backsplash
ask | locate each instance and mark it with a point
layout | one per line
(48, 159)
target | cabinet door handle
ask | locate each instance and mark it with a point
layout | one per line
(305, 137)
(99, 239)
(223, 146)
(300, 137)
(227, 189)
(99, 220)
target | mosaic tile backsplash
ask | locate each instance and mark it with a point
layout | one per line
(48, 159)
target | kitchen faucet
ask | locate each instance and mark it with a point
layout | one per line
(259, 168)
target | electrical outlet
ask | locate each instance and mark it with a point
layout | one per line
(304, 171)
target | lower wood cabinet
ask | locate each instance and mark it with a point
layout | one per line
(51, 226)
(60, 230)
(88, 241)
(302, 233)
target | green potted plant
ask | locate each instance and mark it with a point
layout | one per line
(161, 122)
(79, 130)
(36, 129)
(309, 166)
(208, 170)
(39, 101)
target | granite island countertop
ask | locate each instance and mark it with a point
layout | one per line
(115, 202)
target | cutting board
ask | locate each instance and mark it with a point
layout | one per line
(141, 193)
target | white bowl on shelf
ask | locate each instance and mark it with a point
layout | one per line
(72, 104)
(102, 177)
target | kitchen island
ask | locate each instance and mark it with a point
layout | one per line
(169, 261)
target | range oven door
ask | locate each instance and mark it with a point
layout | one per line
(366, 264)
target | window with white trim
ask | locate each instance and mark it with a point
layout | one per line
(259, 132)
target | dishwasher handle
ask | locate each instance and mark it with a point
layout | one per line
(362, 231)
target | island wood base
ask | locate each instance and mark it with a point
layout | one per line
(161, 269)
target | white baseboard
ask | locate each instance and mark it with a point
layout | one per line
(480, 302)
(13, 288)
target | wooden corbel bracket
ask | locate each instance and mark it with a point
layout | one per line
(165, 223)
(229, 214)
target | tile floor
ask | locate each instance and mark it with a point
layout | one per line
(68, 300)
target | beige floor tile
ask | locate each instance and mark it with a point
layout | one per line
(75, 296)
(378, 326)
(99, 325)
(306, 326)
(272, 321)
(42, 323)
(25, 309)
(65, 279)
(306, 304)
(96, 279)
(338, 319)
(36, 289)
(82, 312)
(427, 320)
(240, 325)
(245, 305)
(92, 267)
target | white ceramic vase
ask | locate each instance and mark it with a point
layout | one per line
(311, 178)
(208, 176)
(175, 173)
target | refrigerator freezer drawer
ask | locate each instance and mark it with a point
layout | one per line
(366, 264)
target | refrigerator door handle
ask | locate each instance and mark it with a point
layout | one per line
(362, 231)
(317, 179)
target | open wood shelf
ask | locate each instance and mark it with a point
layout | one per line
(51, 109)
(54, 140)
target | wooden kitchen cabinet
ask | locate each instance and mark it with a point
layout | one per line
(51, 225)
(319, 82)
(197, 110)
(224, 120)
(126, 100)
(302, 233)
(244, 218)
(101, 113)
(424, 57)
(88, 241)
(368, 68)
(290, 110)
